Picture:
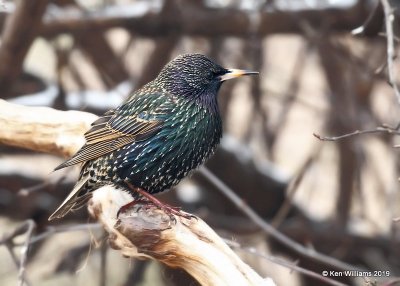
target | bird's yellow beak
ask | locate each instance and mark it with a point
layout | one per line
(233, 73)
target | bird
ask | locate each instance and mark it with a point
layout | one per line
(156, 137)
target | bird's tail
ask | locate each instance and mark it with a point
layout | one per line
(74, 200)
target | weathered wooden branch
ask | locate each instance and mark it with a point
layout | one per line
(144, 232)
(188, 244)
(43, 129)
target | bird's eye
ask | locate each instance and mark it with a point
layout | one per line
(215, 74)
(211, 75)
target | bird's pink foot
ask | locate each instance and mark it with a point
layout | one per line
(151, 200)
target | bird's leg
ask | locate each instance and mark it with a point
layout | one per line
(170, 210)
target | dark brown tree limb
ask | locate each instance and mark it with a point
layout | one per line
(348, 90)
(19, 31)
(103, 58)
(195, 19)
(158, 58)
(99, 51)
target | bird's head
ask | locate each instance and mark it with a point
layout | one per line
(195, 76)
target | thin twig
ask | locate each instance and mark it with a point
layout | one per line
(281, 97)
(21, 229)
(24, 192)
(10, 248)
(103, 264)
(389, 17)
(27, 227)
(291, 190)
(397, 39)
(284, 263)
(382, 129)
(38, 187)
(371, 26)
(64, 228)
(24, 252)
(295, 246)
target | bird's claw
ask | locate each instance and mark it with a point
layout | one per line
(171, 211)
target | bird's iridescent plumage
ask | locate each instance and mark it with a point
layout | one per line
(157, 136)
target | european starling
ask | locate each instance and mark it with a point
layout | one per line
(157, 136)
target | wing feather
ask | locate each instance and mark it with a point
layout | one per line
(117, 128)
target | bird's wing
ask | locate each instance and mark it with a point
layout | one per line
(134, 120)
(73, 198)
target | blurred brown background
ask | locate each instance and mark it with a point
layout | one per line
(316, 76)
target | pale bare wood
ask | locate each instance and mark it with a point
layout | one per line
(188, 244)
(141, 233)
(43, 129)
